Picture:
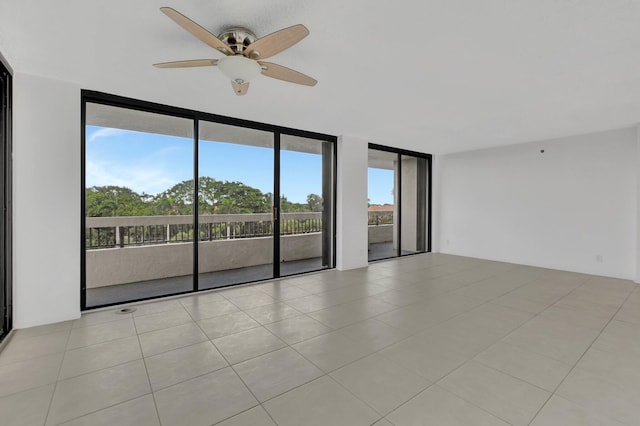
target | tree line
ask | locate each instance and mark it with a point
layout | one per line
(214, 197)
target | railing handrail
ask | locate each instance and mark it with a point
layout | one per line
(107, 221)
(123, 231)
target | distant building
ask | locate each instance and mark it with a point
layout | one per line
(381, 208)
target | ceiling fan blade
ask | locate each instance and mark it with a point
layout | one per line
(187, 64)
(287, 74)
(195, 29)
(240, 89)
(273, 43)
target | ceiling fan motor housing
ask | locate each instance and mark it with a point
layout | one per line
(237, 38)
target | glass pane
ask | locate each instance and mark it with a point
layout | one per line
(138, 205)
(413, 235)
(306, 211)
(382, 184)
(235, 205)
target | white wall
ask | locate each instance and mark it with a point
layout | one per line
(352, 225)
(46, 197)
(637, 276)
(572, 207)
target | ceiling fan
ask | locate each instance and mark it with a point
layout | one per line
(244, 52)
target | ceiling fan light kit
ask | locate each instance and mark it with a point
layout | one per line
(243, 51)
(239, 69)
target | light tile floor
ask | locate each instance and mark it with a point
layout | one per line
(423, 340)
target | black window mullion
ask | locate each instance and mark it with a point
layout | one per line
(429, 201)
(196, 206)
(399, 203)
(83, 215)
(327, 204)
(276, 205)
(6, 305)
(421, 197)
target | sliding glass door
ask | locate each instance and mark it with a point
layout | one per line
(138, 205)
(399, 200)
(5, 197)
(306, 204)
(383, 204)
(235, 205)
(178, 201)
(413, 218)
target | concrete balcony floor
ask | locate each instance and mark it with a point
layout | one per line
(384, 250)
(122, 293)
(162, 287)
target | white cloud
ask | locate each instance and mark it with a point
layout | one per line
(151, 180)
(104, 132)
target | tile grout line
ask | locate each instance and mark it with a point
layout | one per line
(39, 356)
(500, 340)
(118, 403)
(146, 370)
(435, 384)
(229, 365)
(536, 315)
(105, 368)
(55, 384)
(339, 330)
(582, 356)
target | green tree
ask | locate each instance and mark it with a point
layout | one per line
(290, 207)
(314, 201)
(103, 201)
(227, 206)
(177, 200)
(213, 197)
(246, 198)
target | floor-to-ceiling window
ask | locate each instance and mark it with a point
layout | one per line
(178, 201)
(235, 204)
(399, 202)
(138, 204)
(5, 198)
(306, 204)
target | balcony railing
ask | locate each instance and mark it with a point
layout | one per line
(126, 231)
(380, 218)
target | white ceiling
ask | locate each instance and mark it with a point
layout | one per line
(434, 76)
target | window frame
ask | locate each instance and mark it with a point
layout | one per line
(399, 152)
(6, 249)
(95, 97)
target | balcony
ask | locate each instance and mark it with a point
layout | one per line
(135, 257)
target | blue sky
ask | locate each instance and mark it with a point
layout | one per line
(380, 186)
(152, 163)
